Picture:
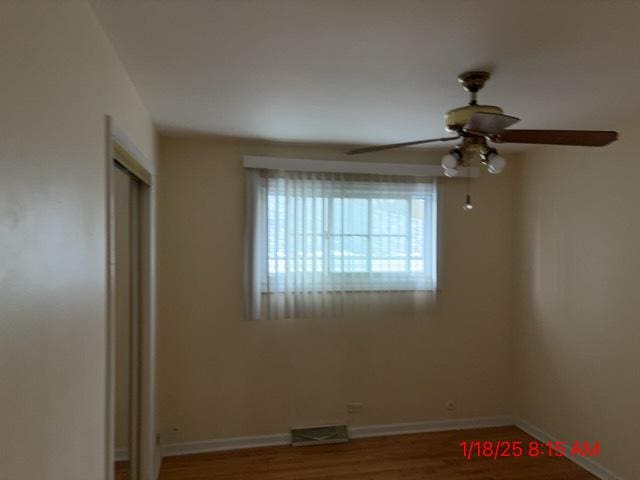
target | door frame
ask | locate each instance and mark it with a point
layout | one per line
(146, 457)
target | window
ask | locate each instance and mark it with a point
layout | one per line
(331, 232)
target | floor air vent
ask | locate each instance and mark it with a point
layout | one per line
(319, 435)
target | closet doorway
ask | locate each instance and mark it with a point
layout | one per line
(127, 320)
(131, 451)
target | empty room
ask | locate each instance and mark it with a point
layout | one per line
(319, 240)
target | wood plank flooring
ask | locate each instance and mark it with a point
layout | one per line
(432, 456)
(122, 471)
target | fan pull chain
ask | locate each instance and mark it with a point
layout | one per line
(468, 205)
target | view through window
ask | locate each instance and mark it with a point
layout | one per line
(358, 235)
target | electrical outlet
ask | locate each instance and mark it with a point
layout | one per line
(451, 406)
(354, 407)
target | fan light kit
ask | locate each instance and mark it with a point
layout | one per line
(478, 125)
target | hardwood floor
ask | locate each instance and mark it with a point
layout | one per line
(432, 456)
(122, 471)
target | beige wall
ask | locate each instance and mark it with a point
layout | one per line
(222, 376)
(59, 78)
(578, 341)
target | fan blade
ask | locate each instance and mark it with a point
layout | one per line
(397, 145)
(586, 138)
(489, 123)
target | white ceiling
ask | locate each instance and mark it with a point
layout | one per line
(374, 71)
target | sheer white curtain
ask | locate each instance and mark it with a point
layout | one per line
(322, 244)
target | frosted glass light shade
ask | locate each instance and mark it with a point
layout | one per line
(449, 162)
(496, 164)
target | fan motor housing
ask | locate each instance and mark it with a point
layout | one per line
(457, 118)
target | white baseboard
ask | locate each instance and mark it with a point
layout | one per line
(236, 443)
(588, 464)
(430, 426)
(121, 454)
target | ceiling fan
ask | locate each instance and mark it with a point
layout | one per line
(477, 125)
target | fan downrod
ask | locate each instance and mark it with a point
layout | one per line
(474, 80)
